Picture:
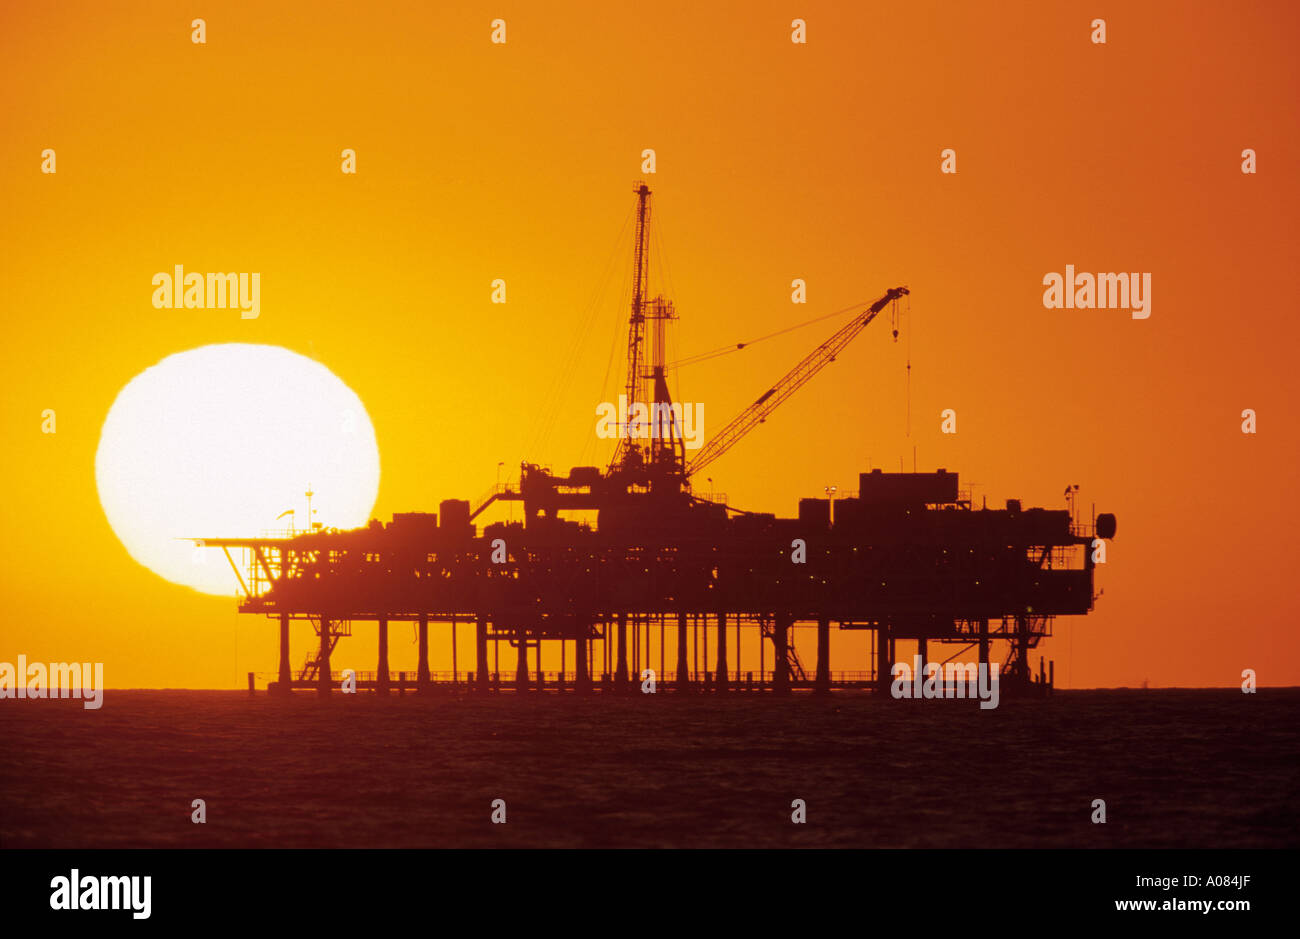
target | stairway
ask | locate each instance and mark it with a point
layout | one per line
(311, 666)
(794, 668)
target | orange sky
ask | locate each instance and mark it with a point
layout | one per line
(775, 161)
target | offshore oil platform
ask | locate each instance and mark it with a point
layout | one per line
(908, 558)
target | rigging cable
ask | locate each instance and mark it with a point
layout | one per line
(736, 347)
(563, 377)
(908, 314)
(624, 300)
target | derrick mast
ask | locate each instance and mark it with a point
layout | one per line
(650, 447)
(628, 450)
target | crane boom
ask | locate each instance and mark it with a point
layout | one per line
(791, 382)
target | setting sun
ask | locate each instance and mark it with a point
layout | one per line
(225, 440)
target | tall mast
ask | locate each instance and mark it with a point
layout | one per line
(636, 324)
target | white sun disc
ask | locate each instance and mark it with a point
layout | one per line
(221, 440)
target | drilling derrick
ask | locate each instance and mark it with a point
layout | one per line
(628, 451)
(650, 451)
(645, 483)
(667, 447)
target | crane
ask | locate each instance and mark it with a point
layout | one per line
(791, 382)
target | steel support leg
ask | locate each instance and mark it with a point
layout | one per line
(883, 665)
(683, 665)
(620, 673)
(480, 652)
(521, 664)
(422, 669)
(381, 676)
(823, 681)
(286, 675)
(781, 644)
(582, 681)
(721, 678)
(323, 677)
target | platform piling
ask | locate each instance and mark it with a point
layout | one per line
(620, 673)
(822, 684)
(582, 680)
(422, 668)
(884, 667)
(381, 674)
(323, 677)
(521, 664)
(480, 651)
(285, 685)
(781, 644)
(721, 683)
(683, 666)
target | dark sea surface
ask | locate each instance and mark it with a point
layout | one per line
(1213, 768)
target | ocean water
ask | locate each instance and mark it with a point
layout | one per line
(1212, 768)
